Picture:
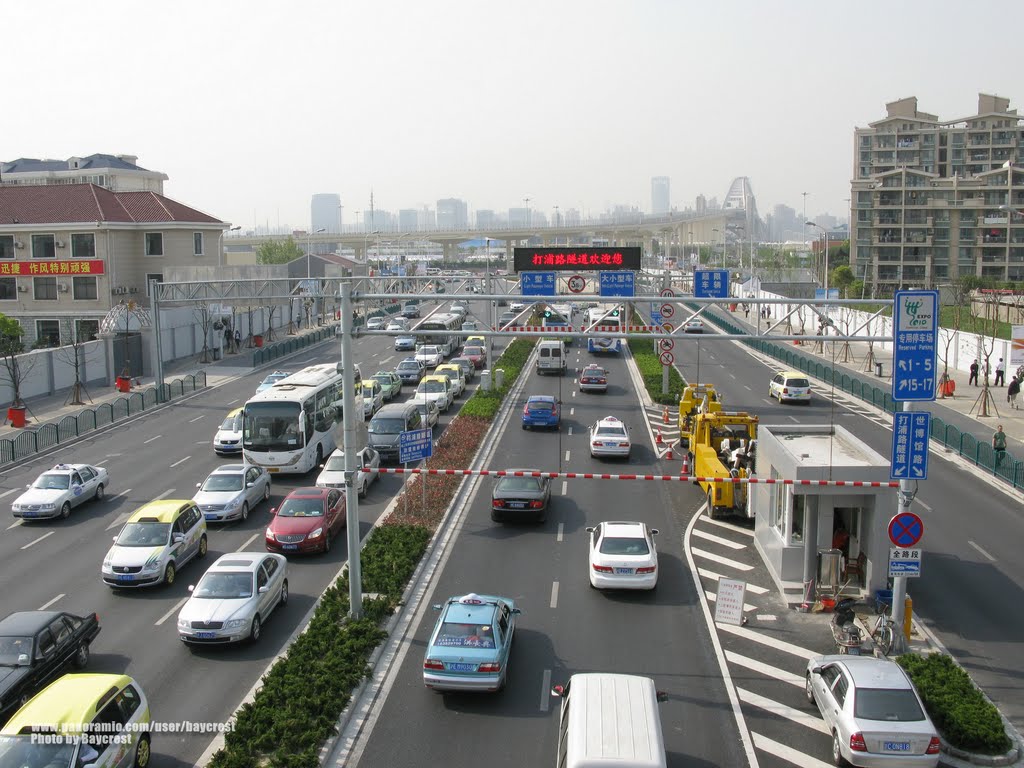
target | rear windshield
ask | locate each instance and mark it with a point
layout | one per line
(519, 484)
(540, 406)
(615, 545)
(892, 705)
(797, 383)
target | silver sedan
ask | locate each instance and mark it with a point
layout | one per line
(231, 491)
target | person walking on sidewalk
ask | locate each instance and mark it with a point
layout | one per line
(1012, 391)
(974, 374)
(999, 445)
(1000, 373)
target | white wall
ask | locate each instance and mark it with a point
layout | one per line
(46, 370)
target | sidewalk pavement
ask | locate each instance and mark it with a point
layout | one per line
(50, 409)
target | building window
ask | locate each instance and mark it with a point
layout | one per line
(150, 277)
(83, 246)
(45, 288)
(6, 246)
(8, 288)
(84, 289)
(798, 520)
(43, 247)
(47, 333)
(197, 243)
(777, 502)
(154, 244)
(87, 330)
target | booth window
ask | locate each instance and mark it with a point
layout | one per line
(798, 518)
(778, 502)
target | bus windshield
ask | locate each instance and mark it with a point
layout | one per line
(272, 427)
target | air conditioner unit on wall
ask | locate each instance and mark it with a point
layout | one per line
(62, 287)
(18, 244)
(22, 289)
(60, 244)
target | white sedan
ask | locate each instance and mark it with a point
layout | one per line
(234, 598)
(231, 491)
(57, 490)
(333, 475)
(609, 437)
(430, 355)
(873, 712)
(623, 556)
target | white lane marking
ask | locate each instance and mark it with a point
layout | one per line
(766, 617)
(545, 690)
(567, 456)
(924, 505)
(156, 437)
(48, 603)
(717, 539)
(572, 411)
(561, 532)
(197, 418)
(166, 493)
(202, 442)
(180, 461)
(387, 360)
(570, 431)
(982, 551)
(778, 708)
(174, 610)
(15, 524)
(234, 401)
(249, 541)
(716, 576)
(574, 393)
(787, 753)
(7, 493)
(554, 594)
(728, 526)
(721, 560)
(782, 675)
(712, 597)
(565, 487)
(112, 455)
(768, 640)
(33, 543)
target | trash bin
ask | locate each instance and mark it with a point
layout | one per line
(499, 377)
(485, 380)
(830, 568)
(16, 415)
(257, 340)
(878, 370)
(123, 384)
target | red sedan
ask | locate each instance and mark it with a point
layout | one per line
(307, 520)
(477, 354)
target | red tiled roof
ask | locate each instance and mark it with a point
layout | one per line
(74, 203)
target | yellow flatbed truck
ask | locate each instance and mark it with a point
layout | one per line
(710, 456)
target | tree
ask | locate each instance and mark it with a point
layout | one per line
(204, 319)
(987, 345)
(842, 278)
(12, 370)
(278, 252)
(73, 353)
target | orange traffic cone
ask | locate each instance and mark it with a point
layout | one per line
(669, 454)
(685, 471)
(664, 415)
(658, 438)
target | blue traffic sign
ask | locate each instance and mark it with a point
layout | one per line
(617, 284)
(910, 431)
(538, 284)
(905, 529)
(656, 318)
(819, 294)
(711, 284)
(414, 445)
(915, 336)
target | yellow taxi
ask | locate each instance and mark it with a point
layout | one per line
(475, 341)
(90, 719)
(158, 539)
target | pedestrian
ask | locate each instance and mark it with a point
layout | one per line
(1000, 373)
(746, 310)
(974, 374)
(999, 445)
(1012, 391)
(238, 339)
(227, 338)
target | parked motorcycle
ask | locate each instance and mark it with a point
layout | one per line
(844, 631)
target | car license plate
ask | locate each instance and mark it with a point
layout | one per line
(212, 517)
(289, 546)
(624, 571)
(206, 635)
(896, 746)
(125, 577)
(517, 504)
(459, 667)
(28, 514)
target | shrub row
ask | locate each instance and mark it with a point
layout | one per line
(649, 363)
(296, 709)
(965, 718)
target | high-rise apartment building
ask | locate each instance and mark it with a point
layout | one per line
(660, 202)
(408, 219)
(325, 212)
(936, 200)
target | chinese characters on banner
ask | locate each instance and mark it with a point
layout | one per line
(527, 259)
(40, 267)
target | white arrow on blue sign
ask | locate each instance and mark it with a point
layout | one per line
(915, 335)
(910, 432)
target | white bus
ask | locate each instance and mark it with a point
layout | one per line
(609, 320)
(290, 427)
(447, 326)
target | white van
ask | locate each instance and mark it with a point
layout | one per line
(609, 720)
(551, 356)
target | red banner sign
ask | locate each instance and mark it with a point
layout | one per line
(47, 267)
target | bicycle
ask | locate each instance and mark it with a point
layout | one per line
(883, 633)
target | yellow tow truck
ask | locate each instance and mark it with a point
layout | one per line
(722, 444)
(696, 398)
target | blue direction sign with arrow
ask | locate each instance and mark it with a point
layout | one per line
(538, 284)
(617, 284)
(414, 445)
(915, 335)
(711, 284)
(910, 431)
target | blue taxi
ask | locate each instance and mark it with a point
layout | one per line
(470, 644)
(541, 411)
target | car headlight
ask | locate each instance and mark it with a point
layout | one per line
(235, 623)
(183, 624)
(49, 505)
(234, 502)
(270, 535)
(150, 567)
(316, 533)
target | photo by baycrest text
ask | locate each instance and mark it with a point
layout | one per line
(56, 730)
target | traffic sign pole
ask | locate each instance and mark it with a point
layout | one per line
(899, 583)
(666, 290)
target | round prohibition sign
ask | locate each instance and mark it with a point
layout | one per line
(667, 292)
(667, 358)
(577, 283)
(667, 327)
(667, 345)
(667, 310)
(906, 529)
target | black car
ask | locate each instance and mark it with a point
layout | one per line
(411, 371)
(35, 649)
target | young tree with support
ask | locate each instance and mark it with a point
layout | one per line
(14, 369)
(73, 353)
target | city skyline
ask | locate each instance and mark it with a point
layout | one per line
(699, 95)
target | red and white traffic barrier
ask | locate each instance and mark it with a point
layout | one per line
(602, 476)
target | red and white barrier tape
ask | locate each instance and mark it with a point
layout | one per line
(602, 476)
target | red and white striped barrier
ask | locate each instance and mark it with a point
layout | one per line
(602, 476)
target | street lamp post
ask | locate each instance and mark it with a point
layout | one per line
(490, 305)
(527, 200)
(824, 234)
(220, 245)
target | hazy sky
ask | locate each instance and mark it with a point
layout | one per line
(251, 107)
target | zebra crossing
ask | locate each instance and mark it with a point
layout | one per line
(767, 655)
(664, 422)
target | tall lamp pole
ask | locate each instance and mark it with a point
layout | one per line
(220, 245)
(527, 200)
(309, 239)
(824, 234)
(490, 304)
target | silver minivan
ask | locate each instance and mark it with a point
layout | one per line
(387, 426)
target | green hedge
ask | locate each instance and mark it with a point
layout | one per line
(965, 718)
(485, 403)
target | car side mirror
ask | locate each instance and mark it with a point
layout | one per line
(199, 485)
(264, 590)
(115, 539)
(516, 611)
(816, 670)
(250, 485)
(662, 696)
(654, 531)
(558, 691)
(591, 529)
(177, 538)
(28, 486)
(273, 510)
(191, 587)
(436, 607)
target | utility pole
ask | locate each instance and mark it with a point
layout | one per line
(355, 576)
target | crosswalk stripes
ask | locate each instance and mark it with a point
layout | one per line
(669, 431)
(766, 660)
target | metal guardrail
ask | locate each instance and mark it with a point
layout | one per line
(977, 450)
(291, 344)
(31, 441)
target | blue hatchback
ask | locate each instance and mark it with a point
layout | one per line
(541, 411)
(469, 647)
